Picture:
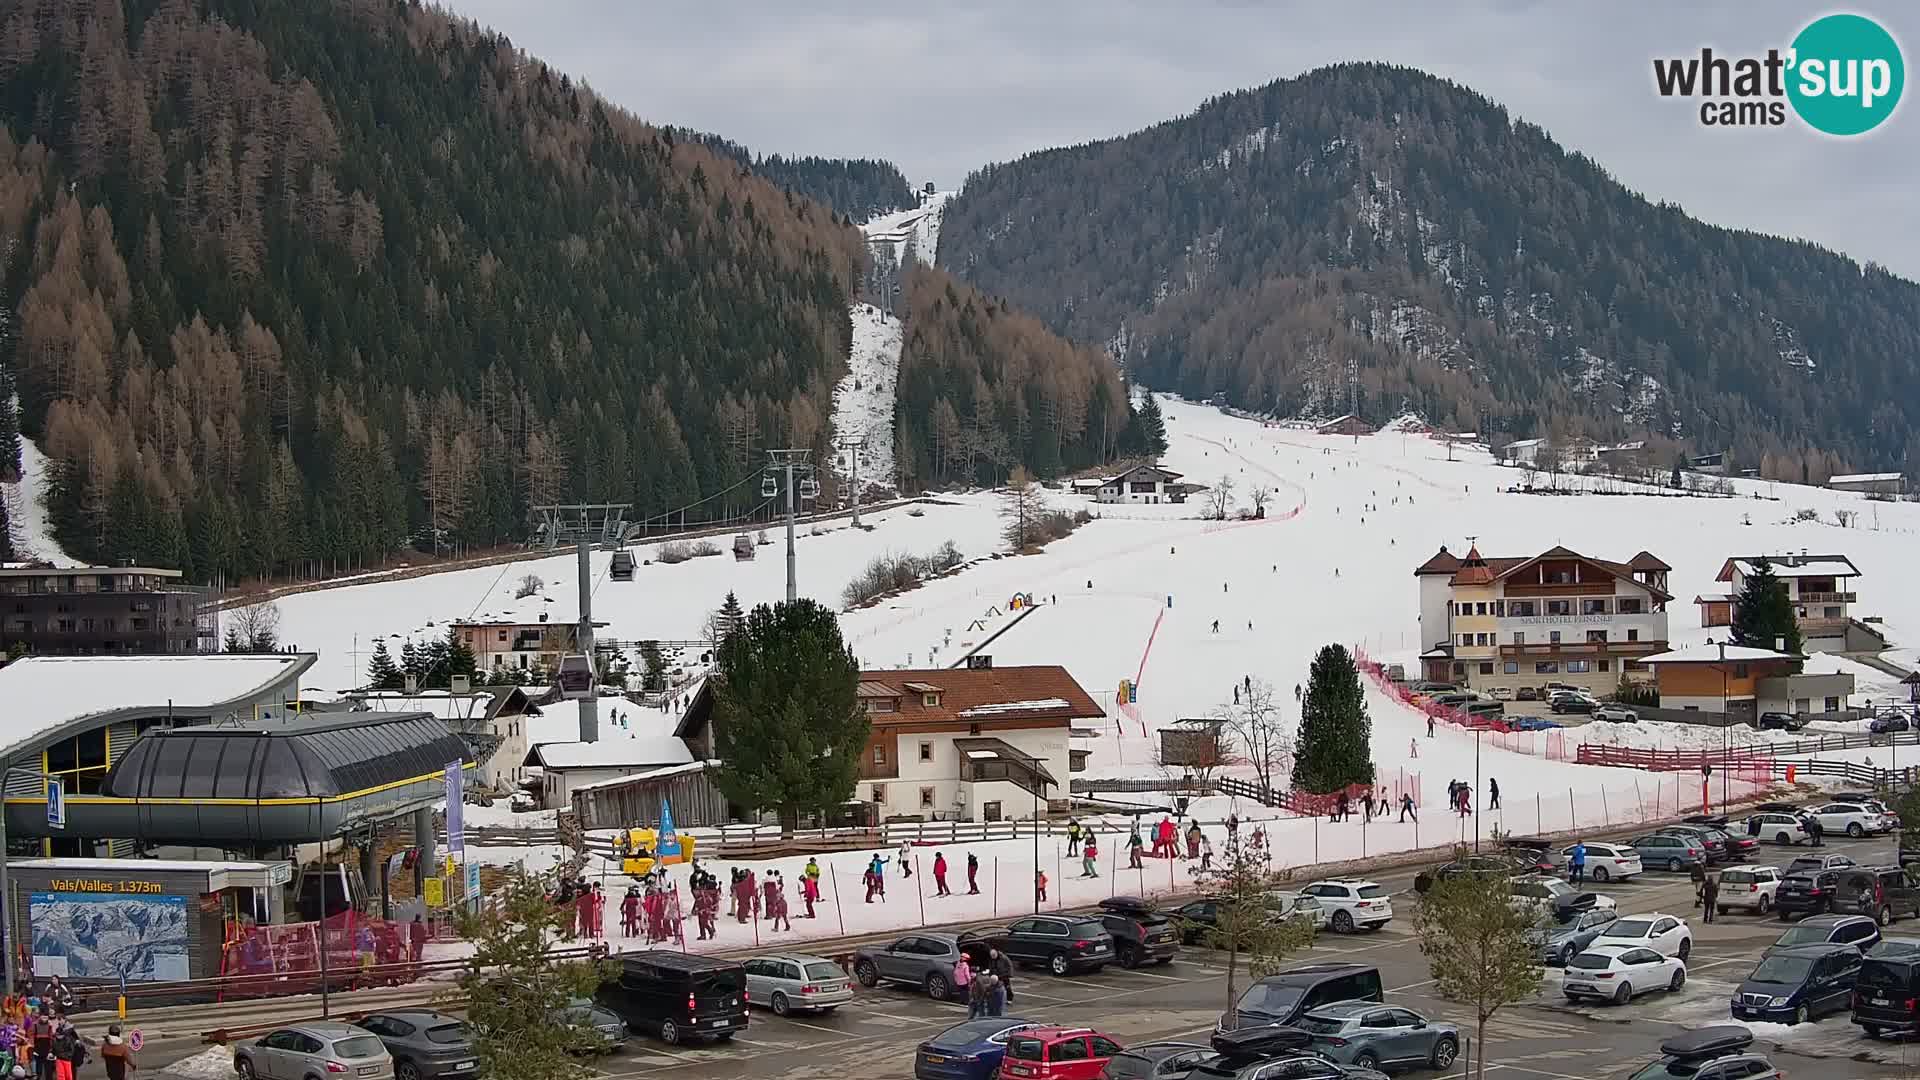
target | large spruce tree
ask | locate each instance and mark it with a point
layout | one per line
(1335, 748)
(1763, 616)
(382, 672)
(787, 724)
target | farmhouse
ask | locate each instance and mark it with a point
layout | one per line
(1141, 484)
(1345, 425)
(1821, 590)
(1558, 616)
(1888, 483)
(1739, 683)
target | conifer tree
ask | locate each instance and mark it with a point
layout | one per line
(790, 731)
(1335, 745)
(382, 672)
(1763, 616)
(1153, 427)
(413, 662)
(460, 658)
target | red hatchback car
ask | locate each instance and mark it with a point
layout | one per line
(1057, 1053)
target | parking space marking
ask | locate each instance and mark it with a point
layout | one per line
(1150, 974)
(1411, 986)
(809, 1027)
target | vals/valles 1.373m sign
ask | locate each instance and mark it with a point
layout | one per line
(1842, 75)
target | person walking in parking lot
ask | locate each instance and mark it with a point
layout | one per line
(1577, 863)
(1812, 825)
(1003, 974)
(1709, 897)
(974, 986)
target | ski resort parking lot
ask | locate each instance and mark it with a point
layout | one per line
(1545, 1039)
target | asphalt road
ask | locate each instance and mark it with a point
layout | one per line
(1546, 1039)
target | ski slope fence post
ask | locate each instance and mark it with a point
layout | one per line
(1573, 818)
(756, 922)
(1538, 829)
(1605, 814)
(1316, 838)
(920, 890)
(996, 886)
(1639, 798)
(1363, 836)
(838, 908)
(1059, 876)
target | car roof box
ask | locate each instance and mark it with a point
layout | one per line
(679, 961)
(1708, 1042)
(1128, 905)
(1253, 1044)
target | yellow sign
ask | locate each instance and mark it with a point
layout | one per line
(448, 873)
(436, 892)
(102, 885)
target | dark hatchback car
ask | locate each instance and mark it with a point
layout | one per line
(1884, 892)
(1805, 892)
(1798, 984)
(1286, 997)
(1886, 993)
(1193, 919)
(1669, 851)
(677, 996)
(1856, 930)
(1141, 935)
(1712, 841)
(424, 1045)
(1060, 943)
(1156, 1061)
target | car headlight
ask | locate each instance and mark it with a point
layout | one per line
(1777, 1002)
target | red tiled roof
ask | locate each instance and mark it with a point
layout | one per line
(1473, 570)
(979, 688)
(1443, 562)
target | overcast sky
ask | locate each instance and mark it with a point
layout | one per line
(941, 89)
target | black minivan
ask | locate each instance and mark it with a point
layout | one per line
(1798, 983)
(680, 997)
(1883, 892)
(1286, 997)
(1886, 993)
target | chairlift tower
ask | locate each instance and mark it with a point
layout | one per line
(853, 444)
(571, 523)
(786, 469)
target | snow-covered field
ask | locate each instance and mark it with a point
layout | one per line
(1136, 594)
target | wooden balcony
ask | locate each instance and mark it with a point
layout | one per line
(1576, 649)
(1828, 598)
(1583, 588)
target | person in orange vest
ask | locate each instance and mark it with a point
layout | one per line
(1040, 885)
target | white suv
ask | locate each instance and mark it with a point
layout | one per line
(1851, 818)
(1353, 905)
(1749, 887)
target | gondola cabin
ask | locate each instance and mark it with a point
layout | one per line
(621, 569)
(575, 677)
(743, 547)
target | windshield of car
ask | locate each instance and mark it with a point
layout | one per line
(1804, 935)
(1630, 928)
(1273, 999)
(358, 1046)
(825, 970)
(1782, 969)
(1320, 1025)
(1023, 1048)
(1371, 892)
(447, 1033)
(1591, 961)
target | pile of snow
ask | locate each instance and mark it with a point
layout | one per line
(32, 533)
(213, 1063)
(863, 401)
(915, 231)
(1015, 706)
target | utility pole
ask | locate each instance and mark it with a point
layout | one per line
(589, 705)
(793, 467)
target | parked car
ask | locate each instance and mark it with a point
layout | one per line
(1572, 703)
(1886, 993)
(1618, 714)
(1749, 888)
(1853, 819)
(1794, 985)
(1285, 997)
(1352, 904)
(1819, 862)
(1486, 710)
(1373, 1036)
(677, 996)
(1526, 693)
(424, 1045)
(1155, 1061)
(1780, 721)
(1806, 892)
(1532, 723)
(797, 982)
(1536, 853)
(1501, 693)
(1883, 892)
(1887, 723)
(1502, 865)
(1858, 931)
(1058, 1053)
(1193, 919)
(314, 1049)
(600, 1029)
(1777, 827)
(1667, 935)
(1721, 1052)
(1060, 943)
(1454, 699)
(967, 1051)
(1260, 1053)
(1712, 841)
(1141, 935)
(1555, 898)
(1617, 973)
(1609, 862)
(922, 960)
(1434, 687)
(1676, 853)
(1558, 944)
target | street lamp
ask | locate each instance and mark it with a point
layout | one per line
(1726, 721)
(1477, 729)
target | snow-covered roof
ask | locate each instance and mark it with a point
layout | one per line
(650, 774)
(614, 753)
(1865, 478)
(44, 693)
(1522, 444)
(1710, 654)
(122, 866)
(1015, 706)
(1817, 566)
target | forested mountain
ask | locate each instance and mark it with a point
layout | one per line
(1371, 222)
(858, 189)
(983, 387)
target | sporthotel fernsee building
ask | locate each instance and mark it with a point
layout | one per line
(1558, 616)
